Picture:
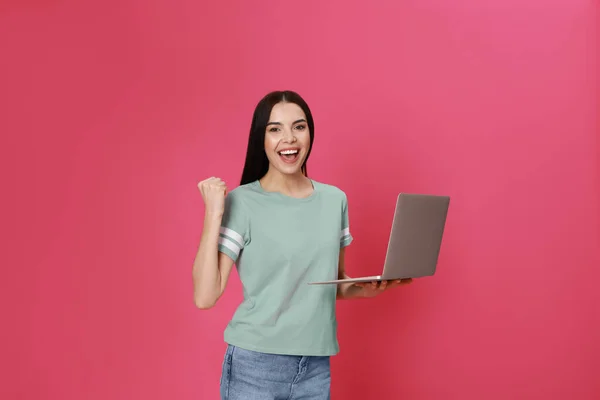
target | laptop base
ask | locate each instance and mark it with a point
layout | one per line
(350, 280)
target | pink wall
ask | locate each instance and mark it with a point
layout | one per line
(110, 114)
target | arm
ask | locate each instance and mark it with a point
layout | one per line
(346, 290)
(211, 268)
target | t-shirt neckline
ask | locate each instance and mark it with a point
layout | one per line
(286, 197)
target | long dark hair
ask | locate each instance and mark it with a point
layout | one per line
(257, 163)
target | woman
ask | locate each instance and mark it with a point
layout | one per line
(282, 230)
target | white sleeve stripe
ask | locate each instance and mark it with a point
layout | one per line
(232, 235)
(230, 245)
(345, 232)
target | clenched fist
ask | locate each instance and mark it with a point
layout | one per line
(213, 192)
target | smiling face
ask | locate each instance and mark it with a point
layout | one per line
(287, 138)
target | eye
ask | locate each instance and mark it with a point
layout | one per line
(301, 127)
(273, 129)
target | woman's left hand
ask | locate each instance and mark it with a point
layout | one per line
(372, 289)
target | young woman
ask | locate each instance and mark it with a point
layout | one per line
(282, 230)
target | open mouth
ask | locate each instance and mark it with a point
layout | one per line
(289, 155)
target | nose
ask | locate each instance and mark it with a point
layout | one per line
(288, 136)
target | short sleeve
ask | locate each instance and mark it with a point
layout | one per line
(234, 233)
(345, 235)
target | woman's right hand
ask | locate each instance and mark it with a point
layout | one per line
(213, 192)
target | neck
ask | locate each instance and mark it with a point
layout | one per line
(296, 185)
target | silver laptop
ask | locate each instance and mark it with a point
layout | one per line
(415, 239)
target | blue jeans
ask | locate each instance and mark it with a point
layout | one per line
(250, 375)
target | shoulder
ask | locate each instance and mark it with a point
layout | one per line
(238, 196)
(330, 191)
(243, 191)
(240, 191)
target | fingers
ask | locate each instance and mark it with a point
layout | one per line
(377, 285)
(369, 285)
(393, 284)
(212, 181)
(401, 282)
(211, 184)
(383, 285)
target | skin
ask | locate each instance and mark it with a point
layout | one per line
(287, 128)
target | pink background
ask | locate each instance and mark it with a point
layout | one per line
(112, 111)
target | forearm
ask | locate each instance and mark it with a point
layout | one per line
(206, 275)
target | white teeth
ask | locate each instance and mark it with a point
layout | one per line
(288, 152)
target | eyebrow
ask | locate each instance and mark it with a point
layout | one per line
(279, 123)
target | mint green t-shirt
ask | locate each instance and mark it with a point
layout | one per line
(280, 244)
